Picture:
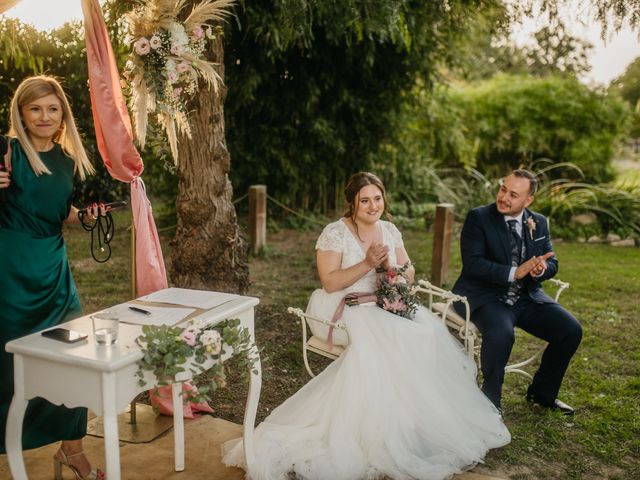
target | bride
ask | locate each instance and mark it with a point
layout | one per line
(401, 401)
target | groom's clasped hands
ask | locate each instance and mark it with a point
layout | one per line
(535, 266)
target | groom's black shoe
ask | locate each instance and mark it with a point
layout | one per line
(557, 405)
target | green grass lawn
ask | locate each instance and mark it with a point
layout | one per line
(601, 441)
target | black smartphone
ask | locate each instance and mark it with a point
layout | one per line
(64, 335)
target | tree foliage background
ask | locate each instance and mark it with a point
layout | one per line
(410, 89)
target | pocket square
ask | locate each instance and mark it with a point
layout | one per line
(540, 238)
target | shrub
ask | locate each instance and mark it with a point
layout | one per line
(518, 119)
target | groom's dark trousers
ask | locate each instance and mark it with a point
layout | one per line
(486, 259)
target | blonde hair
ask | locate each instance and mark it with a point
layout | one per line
(30, 90)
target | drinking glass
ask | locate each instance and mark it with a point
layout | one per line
(105, 327)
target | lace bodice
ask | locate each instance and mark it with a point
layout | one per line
(337, 237)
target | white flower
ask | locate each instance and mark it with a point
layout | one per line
(212, 340)
(178, 35)
(531, 225)
(155, 42)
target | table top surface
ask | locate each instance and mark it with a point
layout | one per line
(114, 357)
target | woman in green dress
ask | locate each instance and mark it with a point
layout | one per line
(38, 291)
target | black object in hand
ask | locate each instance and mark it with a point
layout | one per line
(107, 206)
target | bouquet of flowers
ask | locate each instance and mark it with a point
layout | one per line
(394, 293)
(166, 61)
(168, 351)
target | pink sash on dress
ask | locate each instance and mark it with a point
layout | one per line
(353, 298)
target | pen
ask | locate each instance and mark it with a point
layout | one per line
(140, 310)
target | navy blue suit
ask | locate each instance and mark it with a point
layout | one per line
(486, 263)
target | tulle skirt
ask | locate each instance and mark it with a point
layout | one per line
(402, 401)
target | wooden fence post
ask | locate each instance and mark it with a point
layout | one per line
(257, 217)
(441, 244)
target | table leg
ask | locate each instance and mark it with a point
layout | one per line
(13, 436)
(251, 407)
(110, 421)
(178, 426)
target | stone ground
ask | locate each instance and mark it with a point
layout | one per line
(154, 460)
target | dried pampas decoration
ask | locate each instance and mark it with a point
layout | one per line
(166, 61)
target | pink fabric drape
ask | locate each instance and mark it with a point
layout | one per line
(7, 4)
(115, 142)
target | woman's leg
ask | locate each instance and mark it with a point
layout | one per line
(80, 462)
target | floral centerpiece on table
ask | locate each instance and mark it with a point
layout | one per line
(169, 351)
(394, 293)
(167, 60)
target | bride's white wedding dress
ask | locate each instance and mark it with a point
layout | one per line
(401, 401)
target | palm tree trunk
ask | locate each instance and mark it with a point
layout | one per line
(207, 250)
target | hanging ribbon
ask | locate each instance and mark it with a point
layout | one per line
(115, 143)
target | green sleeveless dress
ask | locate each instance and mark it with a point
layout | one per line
(36, 287)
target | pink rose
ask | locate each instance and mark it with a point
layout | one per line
(188, 337)
(176, 92)
(182, 67)
(176, 49)
(142, 46)
(197, 33)
(172, 76)
(397, 306)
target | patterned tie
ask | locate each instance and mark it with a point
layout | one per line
(512, 295)
(516, 239)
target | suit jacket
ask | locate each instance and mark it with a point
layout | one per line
(486, 256)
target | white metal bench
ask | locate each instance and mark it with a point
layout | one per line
(466, 329)
(440, 302)
(315, 344)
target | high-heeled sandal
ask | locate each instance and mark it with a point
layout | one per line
(95, 474)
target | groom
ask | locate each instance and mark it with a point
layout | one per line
(506, 254)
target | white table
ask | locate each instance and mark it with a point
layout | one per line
(103, 380)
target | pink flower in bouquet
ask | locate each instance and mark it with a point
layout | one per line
(182, 67)
(395, 306)
(390, 275)
(142, 46)
(177, 49)
(188, 337)
(177, 92)
(172, 75)
(398, 280)
(197, 33)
